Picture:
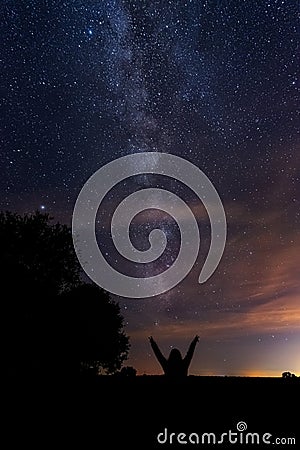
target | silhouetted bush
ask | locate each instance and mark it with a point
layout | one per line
(288, 375)
(127, 371)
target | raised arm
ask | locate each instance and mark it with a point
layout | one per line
(161, 359)
(190, 352)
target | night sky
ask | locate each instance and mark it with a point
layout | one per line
(215, 82)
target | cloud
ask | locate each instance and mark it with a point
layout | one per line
(281, 315)
(255, 289)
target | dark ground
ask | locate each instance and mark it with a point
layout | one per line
(129, 413)
(112, 413)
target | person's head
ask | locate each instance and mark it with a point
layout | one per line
(175, 355)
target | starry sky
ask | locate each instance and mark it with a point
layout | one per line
(213, 81)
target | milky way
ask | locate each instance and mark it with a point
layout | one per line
(215, 82)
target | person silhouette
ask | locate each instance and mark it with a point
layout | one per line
(175, 366)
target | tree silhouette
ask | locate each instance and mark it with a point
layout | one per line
(101, 342)
(39, 252)
(43, 325)
(37, 262)
(288, 375)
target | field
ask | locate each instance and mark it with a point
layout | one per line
(133, 412)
